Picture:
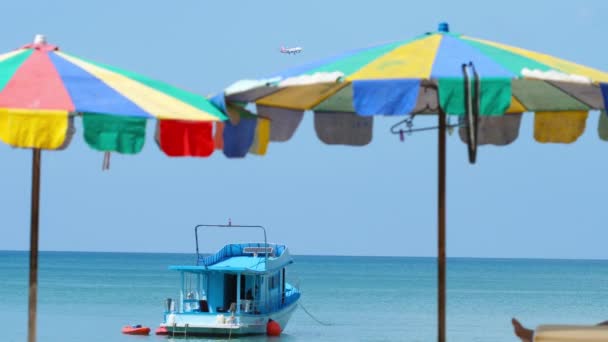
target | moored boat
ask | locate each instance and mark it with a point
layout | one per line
(240, 290)
(135, 330)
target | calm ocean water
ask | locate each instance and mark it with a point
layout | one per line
(88, 297)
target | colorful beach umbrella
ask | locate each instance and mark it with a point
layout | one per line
(486, 84)
(43, 88)
(423, 75)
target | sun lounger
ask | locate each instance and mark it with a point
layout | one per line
(571, 333)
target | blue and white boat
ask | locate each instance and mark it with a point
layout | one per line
(236, 291)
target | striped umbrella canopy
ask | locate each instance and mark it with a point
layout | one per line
(425, 75)
(487, 84)
(42, 89)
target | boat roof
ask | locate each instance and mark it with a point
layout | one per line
(239, 264)
(242, 258)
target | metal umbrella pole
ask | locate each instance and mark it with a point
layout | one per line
(33, 288)
(441, 260)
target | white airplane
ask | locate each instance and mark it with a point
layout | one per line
(293, 50)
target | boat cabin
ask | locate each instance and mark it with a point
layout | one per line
(246, 278)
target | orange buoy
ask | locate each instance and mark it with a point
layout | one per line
(135, 330)
(273, 328)
(162, 331)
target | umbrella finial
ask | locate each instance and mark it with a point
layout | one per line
(443, 27)
(40, 44)
(40, 39)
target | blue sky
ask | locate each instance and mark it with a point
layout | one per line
(523, 200)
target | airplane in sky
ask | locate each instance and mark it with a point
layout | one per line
(293, 50)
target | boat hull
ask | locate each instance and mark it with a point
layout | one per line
(205, 324)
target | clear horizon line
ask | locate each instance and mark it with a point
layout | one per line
(326, 255)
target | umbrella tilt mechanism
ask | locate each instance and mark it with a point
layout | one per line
(472, 94)
(409, 124)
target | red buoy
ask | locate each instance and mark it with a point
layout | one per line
(162, 331)
(135, 330)
(273, 328)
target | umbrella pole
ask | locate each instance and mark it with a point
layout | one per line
(33, 292)
(441, 267)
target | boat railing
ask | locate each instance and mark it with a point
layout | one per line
(229, 225)
(233, 250)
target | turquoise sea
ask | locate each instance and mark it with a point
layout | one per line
(88, 297)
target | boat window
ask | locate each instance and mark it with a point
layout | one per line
(274, 281)
(193, 291)
(193, 284)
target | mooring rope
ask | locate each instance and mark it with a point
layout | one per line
(312, 316)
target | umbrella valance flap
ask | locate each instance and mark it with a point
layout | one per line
(494, 97)
(110, 133)
(261, 139)
(283, 122)
(177, 138)
(602, 126)
(339, 128)
(30, 128)
(395, 97)
(244, 133)
(238, 138)
(495, 130)
(559, 127)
